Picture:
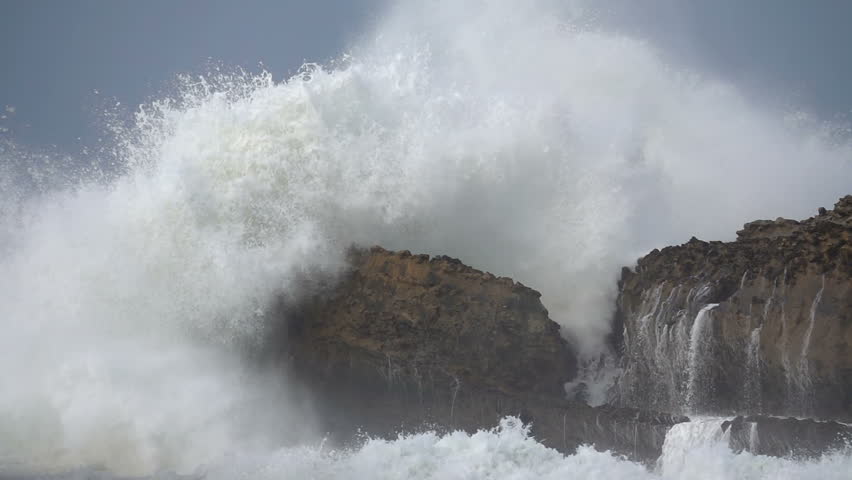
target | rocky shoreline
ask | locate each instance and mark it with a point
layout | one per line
(758, 327)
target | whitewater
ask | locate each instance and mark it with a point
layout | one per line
(130, 296)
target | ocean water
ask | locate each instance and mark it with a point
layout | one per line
(696, 450)
(129, 297)
(692, 451)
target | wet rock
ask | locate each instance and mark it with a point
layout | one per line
(406, 342)
(778, 341)
(786, 437)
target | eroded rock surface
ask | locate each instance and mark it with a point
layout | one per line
(759, 325)
(407, 341)
(433, 321)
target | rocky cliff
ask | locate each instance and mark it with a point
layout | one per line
(404, 342)
(759, 325)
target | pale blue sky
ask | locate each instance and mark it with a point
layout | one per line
(55, 53)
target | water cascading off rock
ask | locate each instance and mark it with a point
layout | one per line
(778, 342)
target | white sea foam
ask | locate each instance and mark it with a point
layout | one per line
(693, 450)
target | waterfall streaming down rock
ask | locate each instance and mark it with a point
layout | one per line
(670, 347)
(685, 440)
(699, 367)
(805, 382)
(753, 437)
(753, 395)
(777, 303)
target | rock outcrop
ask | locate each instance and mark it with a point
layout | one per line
(404, 342)
(786, 437)
(434, 322)
(759, 325)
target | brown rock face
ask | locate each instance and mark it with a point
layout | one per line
(759, 325)
(404, 341)
(435, 320)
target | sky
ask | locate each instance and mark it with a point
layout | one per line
(64, 62)
(57, 54)
(795, 53)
